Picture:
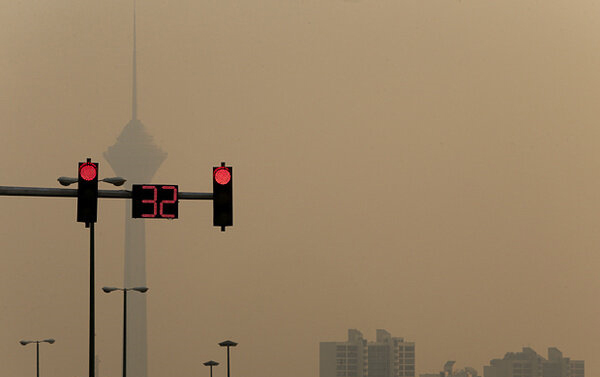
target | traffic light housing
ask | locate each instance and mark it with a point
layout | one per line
(222, 196)
(87, 192)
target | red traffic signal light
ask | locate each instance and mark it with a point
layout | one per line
(223, 196)
(88, 171)
(87, 192)
(222, 175)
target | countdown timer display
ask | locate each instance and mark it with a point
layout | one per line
(155, 201)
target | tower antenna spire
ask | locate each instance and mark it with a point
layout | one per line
(134, 84)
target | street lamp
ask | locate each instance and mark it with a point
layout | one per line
(37, 351)
(228, 343)
(211, 364)
(117, 181)
(125, 290)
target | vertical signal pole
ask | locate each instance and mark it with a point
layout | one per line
(125, 332)
(87, 208)
(92, 356)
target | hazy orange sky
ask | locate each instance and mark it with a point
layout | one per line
(426, 167)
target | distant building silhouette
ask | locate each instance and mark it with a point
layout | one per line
(135, 157)
(529, 364)
(387, 356)
(450, 372)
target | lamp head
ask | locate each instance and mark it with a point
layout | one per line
(66, 181)
(228, 343)
(51, 341)
(109, 289)
(117, 181)
(25, 342)
(140, 289)
(211, 363)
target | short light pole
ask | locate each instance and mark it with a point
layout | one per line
(228, 343)
(37, 351)
(124, 290)
(211, 364)
(116, 181)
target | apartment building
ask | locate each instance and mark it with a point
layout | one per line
(387, 356)
(529, 363)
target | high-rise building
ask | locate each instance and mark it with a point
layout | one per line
(529, 364)
(390, 356)
(387, 356)
(556, 365)
(344, 359)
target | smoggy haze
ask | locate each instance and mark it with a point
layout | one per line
(427, 167)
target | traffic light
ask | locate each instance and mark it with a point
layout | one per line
(222, 196)
(87, 192)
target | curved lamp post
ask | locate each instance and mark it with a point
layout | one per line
(125, 290)
(228, 343)
(37, 351)
(211, 364)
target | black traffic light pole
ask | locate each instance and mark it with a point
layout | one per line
(87, 208)
(92, 347)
